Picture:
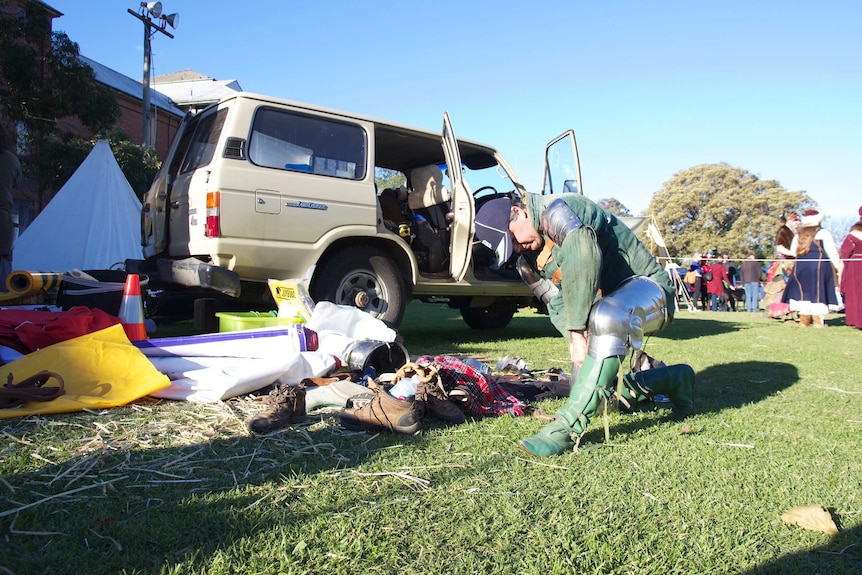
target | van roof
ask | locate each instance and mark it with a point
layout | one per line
(389, 137)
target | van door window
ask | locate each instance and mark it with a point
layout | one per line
(299, 143)
(203, 144)
(562, 166)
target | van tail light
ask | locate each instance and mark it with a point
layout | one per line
(212, 229)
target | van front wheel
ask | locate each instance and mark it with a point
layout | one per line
(363, 277)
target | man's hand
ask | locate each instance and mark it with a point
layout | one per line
(577, 346)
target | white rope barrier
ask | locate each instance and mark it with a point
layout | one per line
(739, 261)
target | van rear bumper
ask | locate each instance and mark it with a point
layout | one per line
(187, 273)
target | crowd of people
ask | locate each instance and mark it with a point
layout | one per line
(809, 276)
(720, 285)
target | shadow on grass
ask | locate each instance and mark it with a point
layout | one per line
(731, 385)
(685, 327)
(720, 387)
(841, 555)
(836, 321)
(184, 504)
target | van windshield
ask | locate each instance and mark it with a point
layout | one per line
(486, 183)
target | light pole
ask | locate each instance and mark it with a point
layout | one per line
(145, 14)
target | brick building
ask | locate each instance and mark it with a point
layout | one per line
(165, 115)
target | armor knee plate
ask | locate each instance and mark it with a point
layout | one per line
(621, 320)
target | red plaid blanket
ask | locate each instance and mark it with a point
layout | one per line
(489, 398)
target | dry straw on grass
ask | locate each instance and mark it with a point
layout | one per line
(181, 432)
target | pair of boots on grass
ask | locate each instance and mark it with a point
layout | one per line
(811, 320)
(372, 410)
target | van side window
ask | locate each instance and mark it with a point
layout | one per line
(290, 141)
(203, 144)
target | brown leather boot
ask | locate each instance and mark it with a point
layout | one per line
(285, 405)
(804, 320)
(817, 321)
(384, 413)
(437, 404)
(432, 393)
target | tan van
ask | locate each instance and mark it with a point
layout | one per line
(255, 187)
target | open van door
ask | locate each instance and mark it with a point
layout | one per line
(562, 166)
(155, 210)
(462, 205)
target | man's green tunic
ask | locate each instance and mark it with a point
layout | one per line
(594, 260)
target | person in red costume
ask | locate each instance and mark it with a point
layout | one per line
(851, 279)
(715, 287)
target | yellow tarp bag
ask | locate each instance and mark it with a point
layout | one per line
(101, 369)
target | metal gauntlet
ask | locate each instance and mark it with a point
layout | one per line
(542, 288)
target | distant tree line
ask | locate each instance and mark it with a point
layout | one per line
(718, 207)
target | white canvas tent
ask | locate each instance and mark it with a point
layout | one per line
(92, 223)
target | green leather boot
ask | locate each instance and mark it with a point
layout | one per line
(674, 381)
(592, 385)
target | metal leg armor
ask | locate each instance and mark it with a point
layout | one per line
(617, 322)
(620, 321)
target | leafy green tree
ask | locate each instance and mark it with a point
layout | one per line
(718, 206)
(43, 81)
(60, 157)
(385, 178)
(138, 165)
(46, 82)
(615, 207)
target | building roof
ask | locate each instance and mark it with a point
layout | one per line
(180, 76)
(130, 87)
(193, 89)
(51, 10)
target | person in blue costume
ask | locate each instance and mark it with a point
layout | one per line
(811, 286)
(604, 292)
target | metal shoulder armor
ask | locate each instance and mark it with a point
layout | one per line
(558, 220)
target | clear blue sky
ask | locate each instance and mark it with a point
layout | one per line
(651, 87)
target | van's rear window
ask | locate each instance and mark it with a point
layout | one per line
(203, 144)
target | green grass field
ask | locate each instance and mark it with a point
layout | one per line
(173, 487)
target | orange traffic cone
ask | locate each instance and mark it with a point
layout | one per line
(132, 309)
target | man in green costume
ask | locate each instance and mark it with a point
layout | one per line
(604, 292)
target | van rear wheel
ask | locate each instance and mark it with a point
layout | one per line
(365, 278)
(496, 316)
